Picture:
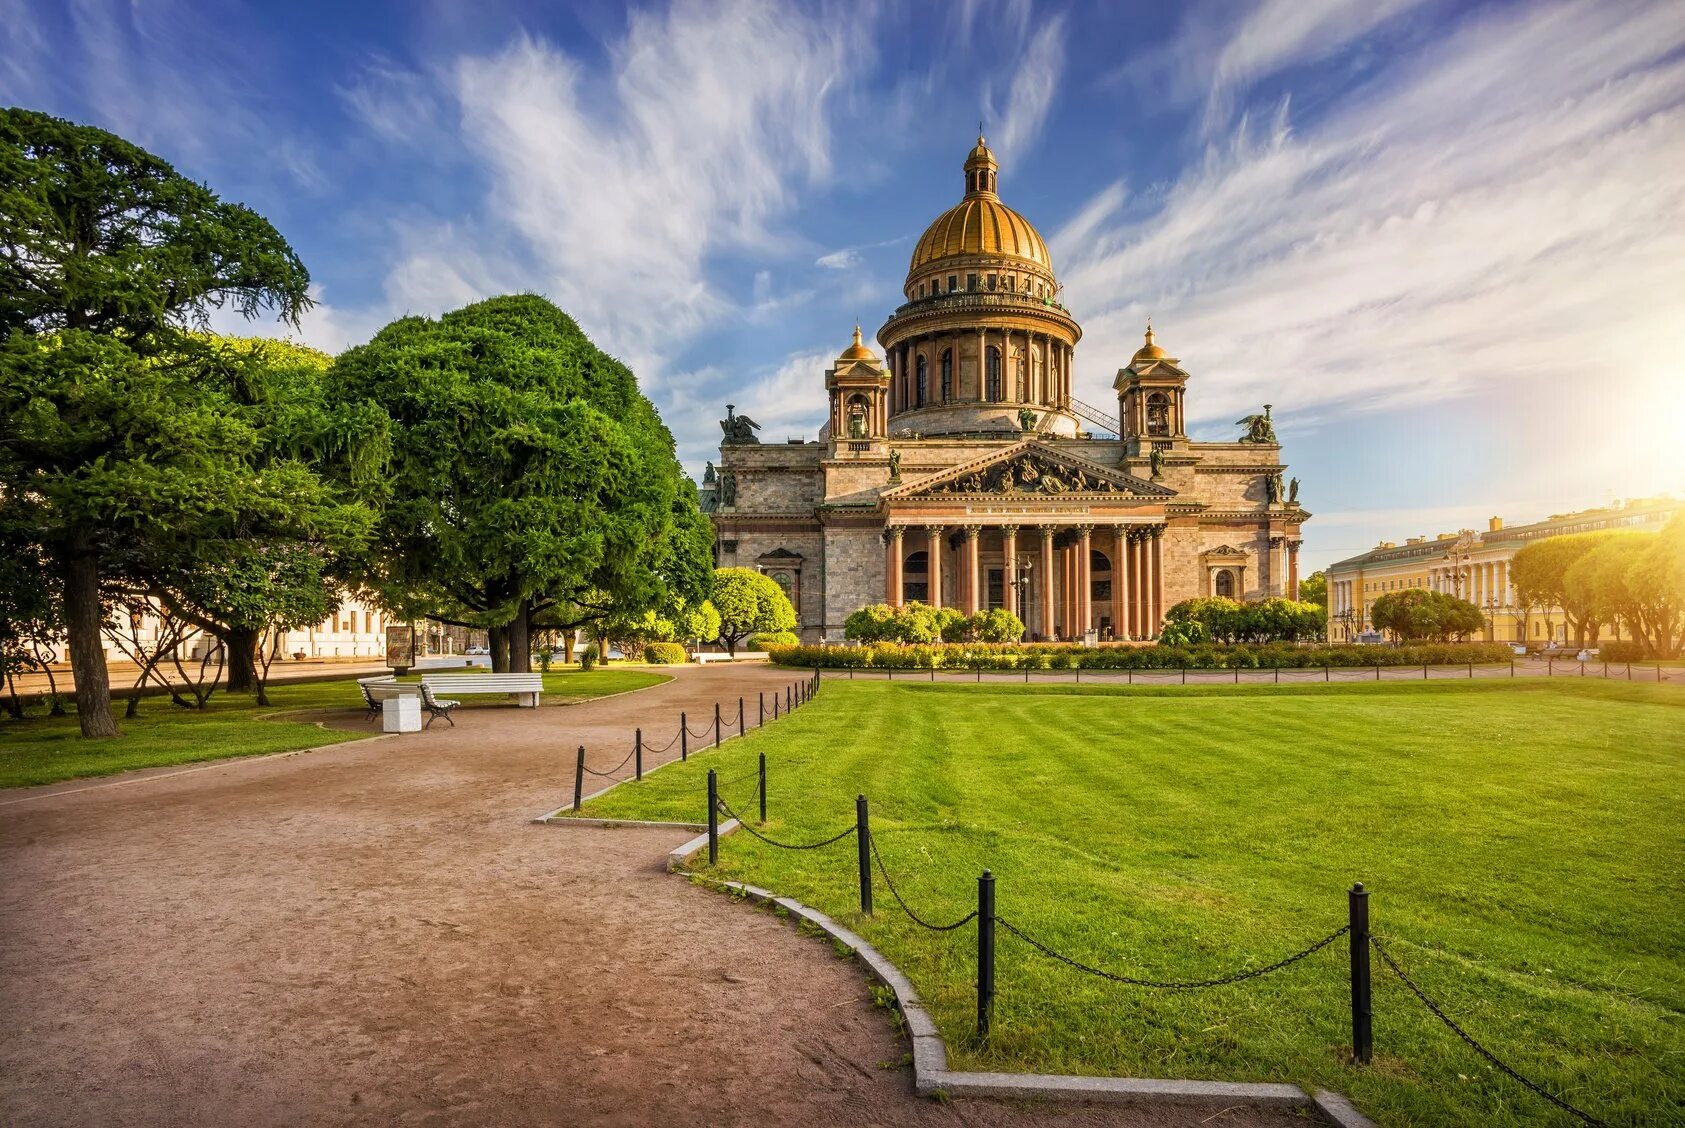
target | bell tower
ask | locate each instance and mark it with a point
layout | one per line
(859, 390)
(1150, 396)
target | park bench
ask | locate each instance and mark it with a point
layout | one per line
(525, 687)
(741, 656)
(376, 692)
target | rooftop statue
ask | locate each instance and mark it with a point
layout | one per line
(738, 428)
(894, 463)
(1259, 429)
(708, 475)
(1293, 491)
(1156, 461)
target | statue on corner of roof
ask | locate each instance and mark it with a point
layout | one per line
(1026, 419)
(1272, 487)
(1156, 461)
(1293, 491)
(738, 428)
(1259, 428)
(894, 464)
(728, 488)
(709, 475)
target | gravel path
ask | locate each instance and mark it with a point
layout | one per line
(377, 934)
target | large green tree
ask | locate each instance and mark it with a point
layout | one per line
(749, 603)
(532, 484)
(1539, 574)
(1415, 614)
(111, 432)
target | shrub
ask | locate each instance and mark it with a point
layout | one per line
(773, 638)
(588, 657)
(665, 654)
(1193, 656)
(998, 625)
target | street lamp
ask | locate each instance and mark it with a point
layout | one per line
(1021, 581)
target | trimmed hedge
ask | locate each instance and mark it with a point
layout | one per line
(665, 654)
(1062, 656)
(770, 639)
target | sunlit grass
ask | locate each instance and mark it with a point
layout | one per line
(1522, 842)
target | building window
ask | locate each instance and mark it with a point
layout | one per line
(1023, 380)
(857, 417)
(994, 280)
(1158, 414)
(915, 578)
(991, 366)
(953, 283)
(971, 281)
(1225, 584)
(922, 389)
(947, 375)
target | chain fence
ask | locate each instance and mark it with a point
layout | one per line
(1172, 985)
(744, 824)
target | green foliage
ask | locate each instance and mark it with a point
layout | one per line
(1415, 614)
(1225, 620)
(125, 436)
(676, 620)
(1625, 579)
(1314, 589)
(996, 625)
(773, 638)
(665, 654)
(531, 483)
(749, 603)
(1539, 575)
(1186, 632)
(951, 624)
(588, 657)
(1069, 656)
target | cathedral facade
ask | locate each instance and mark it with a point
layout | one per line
(957, 468)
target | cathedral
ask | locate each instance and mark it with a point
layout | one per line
(957, 468)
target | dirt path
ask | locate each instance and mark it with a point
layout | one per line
(377, 934)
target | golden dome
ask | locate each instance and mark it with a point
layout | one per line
(858, 350)
(1149, 351)
(980, 224)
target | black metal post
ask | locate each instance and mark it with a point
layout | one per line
(739, 716)
(579, 778)
(763, 787)
(716, 724)
(787, 697)
(761, 723)
(713, 817)
(1363, 1010)
(863, 840)
(1325, 676)
(684, 737)
(638, 753)
(985, 954)
(775, 706)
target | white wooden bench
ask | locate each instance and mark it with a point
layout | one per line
(525, 687)
(740, 656)
(376, 691)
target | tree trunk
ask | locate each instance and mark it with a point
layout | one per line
(87, 657)
(240, 644)
(520, 639)
(497, 641)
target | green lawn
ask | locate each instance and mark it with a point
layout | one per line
(1522, 842)
(43, 749)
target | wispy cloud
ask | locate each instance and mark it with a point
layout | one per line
(1454, 225)
(839, 260)
(1035, 78)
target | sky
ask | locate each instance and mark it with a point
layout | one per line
(1445, 240)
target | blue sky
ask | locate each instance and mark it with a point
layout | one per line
(1446, 241)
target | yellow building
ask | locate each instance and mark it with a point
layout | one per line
(1475, 566)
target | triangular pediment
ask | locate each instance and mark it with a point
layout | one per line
(1225, 550)
(1029, 469)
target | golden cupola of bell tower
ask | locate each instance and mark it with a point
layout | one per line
(982, 344)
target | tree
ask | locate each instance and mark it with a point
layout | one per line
(749, 603)
(1415, 614)
(115, 433)
(1623, 580)
(996, 625)
(1661, 573)
(1314, 589)
(532, 484)
(1539, 574)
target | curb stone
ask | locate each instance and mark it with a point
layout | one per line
(931, 1075)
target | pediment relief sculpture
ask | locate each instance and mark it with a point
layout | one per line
(1027, 473)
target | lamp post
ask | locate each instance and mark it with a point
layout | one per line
(1021, 581)
(1491, 618)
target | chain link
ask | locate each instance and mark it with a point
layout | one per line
(744, 824)
(1585, 1117)
(614, 769)
(872, 840)
(1168, 985)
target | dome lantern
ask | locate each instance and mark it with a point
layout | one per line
(980, 170)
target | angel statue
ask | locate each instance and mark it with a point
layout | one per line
(738, 428)
(1259, 429)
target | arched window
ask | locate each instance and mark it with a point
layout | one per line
(1225, 584)
(991, 367)
(1158, 414)
(922, 388)
(1100, 575)
(947, 375)
(1023, 379)
(857, 417)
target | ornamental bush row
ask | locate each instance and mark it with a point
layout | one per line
(1060, 656)
(665, 654)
